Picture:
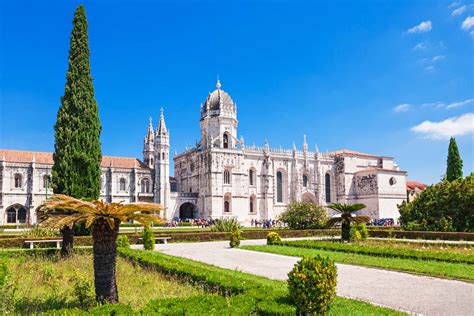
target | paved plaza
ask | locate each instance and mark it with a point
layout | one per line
(417, 294)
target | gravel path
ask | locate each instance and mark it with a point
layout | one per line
(416, 294)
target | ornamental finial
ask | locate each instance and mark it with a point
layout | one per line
(218, 84)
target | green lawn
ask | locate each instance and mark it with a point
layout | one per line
(460, 271)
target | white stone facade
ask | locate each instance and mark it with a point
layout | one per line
(220, 177)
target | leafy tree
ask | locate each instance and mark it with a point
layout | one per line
(105, 219)
(148, 238)
(235, 237)
(454, 163)
(77, 154)
(445, 206)
(304, 215)
(346, 217)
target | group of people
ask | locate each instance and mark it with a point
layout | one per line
(197, 222)
(265, 223)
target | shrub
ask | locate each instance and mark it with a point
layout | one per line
(224, 224)
(122, 241)
(235, 237)
(359, 232)
(312, 285)
(273, 238)
(445, 206)
(7, 290)
(302, 215)
(84, 291)
(148, 238)
(38, 231)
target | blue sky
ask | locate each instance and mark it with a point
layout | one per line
(394, 78)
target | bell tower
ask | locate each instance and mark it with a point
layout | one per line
(162, 165)
(149, 146)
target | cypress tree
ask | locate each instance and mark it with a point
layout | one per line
(77, 155)
(454, 164)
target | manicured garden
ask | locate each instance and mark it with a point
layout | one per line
(434, 259)
(149, 282)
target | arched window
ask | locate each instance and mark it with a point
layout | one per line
(305, 181)
(22, 215)
(163, 156)
(392, 181)
(226, 177)
(16, 214)
(151, 159)
(226, 140)
(227, 203)
(18, 180)
(46, 184)
(328, 187)
(122, 184)
(252, 205)
(145, 186)
(251, 177)
(279, 187)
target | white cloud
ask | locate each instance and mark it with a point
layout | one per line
(459, 104)
(420, 46)
(437, 58)
(401, 108)
(435, 105)
(430, 68)
(454, 126)
(468, 23)
(454, 4)
(459, 11)
(424, 26)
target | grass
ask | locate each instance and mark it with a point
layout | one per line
(391, 248)
(54, 283)
(446, 270)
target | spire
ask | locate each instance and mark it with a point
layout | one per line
(161, 130)
(218, 84)
(294, 146)
(305, 143)
(150, 135)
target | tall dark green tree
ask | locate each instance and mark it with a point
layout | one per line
(454, 165)
(77, 155)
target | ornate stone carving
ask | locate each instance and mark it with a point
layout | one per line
(367, 184)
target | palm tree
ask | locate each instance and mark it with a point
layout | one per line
(346, 217)
(105, 218)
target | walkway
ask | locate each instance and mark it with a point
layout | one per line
(418, 294)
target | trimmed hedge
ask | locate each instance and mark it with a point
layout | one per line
(380, 251)
(387, 233)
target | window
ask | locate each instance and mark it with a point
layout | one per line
(227, 203)
(46, 184)
(122, 184)
(226, 177)
(151, 159)
(392, 181)
(145, 186)
(22, 215)
(279, 187)
(252, 204)
(163, 156)
(328, 187)
(226, 141)
(18, 181)
(11, 216)
(226, 206)
(251, 177)
(305, 181)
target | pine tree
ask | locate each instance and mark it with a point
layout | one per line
(454, 165)
(77, 156)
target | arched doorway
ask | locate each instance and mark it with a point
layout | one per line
(17, 214)
(186, 210)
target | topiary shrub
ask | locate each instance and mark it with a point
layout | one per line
(273, 238)
(122, 241)
(235, 237)
(312, 285)
(304, 215)
(359, 232)
(148, 238)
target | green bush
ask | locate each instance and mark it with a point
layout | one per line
(7, 290)
(38, 231)
(359, 232)
(122, 241)
(273, 238)
(445, 206)
(312, 285)
(224, 224)
(303, 215)
(148, 238)
(84, 291)
(235, 237)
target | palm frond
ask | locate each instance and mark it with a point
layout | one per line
(346, 208)
(360, 219)
(333, 221)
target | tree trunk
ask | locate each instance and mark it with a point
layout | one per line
(105, 254)
(346, 230)
(68, 241)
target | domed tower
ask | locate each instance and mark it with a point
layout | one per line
(219, 120)
(149, 146)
